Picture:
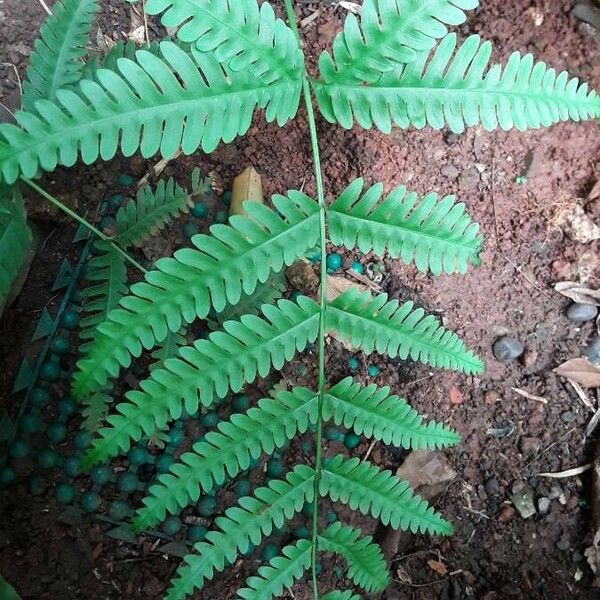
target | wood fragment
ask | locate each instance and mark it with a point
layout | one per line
(530, 396)
(592, 424)
(364, 280)
(568, 473)
(582, 395)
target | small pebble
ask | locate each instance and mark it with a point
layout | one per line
(563, 544)
(523, 502)
(580, 313)
(492, 487)
(592, 352)
(568, 416)
(506, 349)
(543, 505)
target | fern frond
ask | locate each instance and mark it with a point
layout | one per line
(168, 348)
(366, 566)
(56, 62)
(94, 411)
(107, 284)
(16, 240)
(365, 487)
(145, 216)
(438, 236)
(228, 451)
(240, 33)
(387, 34)
(153, 104)
(374, 324)
(337, 595)
(373, 412)
(222, 268)
(209, 369)
(459, 90)
(267, 293)
(281, 573)
(255, 516)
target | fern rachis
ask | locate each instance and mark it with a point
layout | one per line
(383, 70)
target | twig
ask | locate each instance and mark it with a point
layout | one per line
(368, 453)
(529, 396)
(582, 395)
(45, 7)
(364, 280)
(593, 424)
(568, 473)
(146, 32)
(19, 82)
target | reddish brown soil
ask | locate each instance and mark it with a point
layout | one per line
(495, 553)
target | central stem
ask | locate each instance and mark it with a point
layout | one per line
(312, 125)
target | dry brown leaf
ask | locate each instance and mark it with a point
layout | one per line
(578, 293)
(337, 285)
(576, 223)
(437, 566)
(581, 371)
(246, 186)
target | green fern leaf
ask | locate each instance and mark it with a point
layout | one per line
(458, 90)
(240, 33)
(168, 348)
(374, 324)
(388, 34)
(267, 293)
(366, 566)
(94, 411)
(337, 595)
(281, 573)
(57, 62)
(209, 369)
(373, 412)
(144, 217)
(241, 526)
(365, 487)
(437, 235)
(225, 266)
(228, 451)
(153, 104)
(107, 284)
(16, 240)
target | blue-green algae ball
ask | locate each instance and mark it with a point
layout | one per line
(126, 180)
(210, 419)
(333, 262)
(115, 201)
(90, 502)
(138, 456)
(241, 403)
(197, 533)
(50, 371)
(351, 440)
(40, 396)
(60, 345)
(56, 432)
(118, 510)
(176, 437)
(275, 469)
(301, 533)
(373, 370)
(314, 254)
(7, 476)
(172, 525)
(37, 485)
(71, 466)
(190, 230)
(163, 463)
(76, 296)
(48, 459)
(67, 407)
(65, 493)
(221, 217)
(333, 434)
(31, 423)
(357, 267)
(199, 210)
(100, 475)
(129, 483)
(353, 363)
(82, 440)
(19, 449)
(242, 488)
(207, 506)
(269, 552)
(69, 319)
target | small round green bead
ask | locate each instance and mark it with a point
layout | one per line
(7, 476)
(71, 466)
(30, 423)
(301, 533)
(333, 434)
(48, 459)
(100, 475)
(254, 462)
(50, 371)
(60, 345)
(351, 440)
(241, 403)
(197, 533)
(190, 229)
(307, 509)
(357, 267)
(65, 493)
(207, 506)
(82, 440)
(269, 552)
(199, 210)
(210, 419)
(76, 296)
(69, 319)
(373, 370)
(125, 180)
(115, 201)
(163, 463)
(221, 217)
(40, 396)
(56, 432)
(37, 485)
(318, 568)
(353, 363)
(242, 488)
(137, 456)
(314, 254)
(90, 502)
(172, 525)
(67, 407)
(275, 469)
(129, 483)
(333, 262)
(176, 437)
(19, 449)
(118, 510)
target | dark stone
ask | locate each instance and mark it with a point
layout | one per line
(580, 313)
(492, 487)
(506, 349)
(592, 352)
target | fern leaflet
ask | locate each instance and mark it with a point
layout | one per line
(57, 62)
(241, 34)
(451, 89)
(281, 572)
(337, 595)
(388, 34)
(438, 235)
(373, 323)
(153, 104)
(223, 267)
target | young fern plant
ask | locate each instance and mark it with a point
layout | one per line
(230, 59)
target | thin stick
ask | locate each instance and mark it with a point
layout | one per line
(582, 395)
(55, 202)
(529, 396)
(45, 7)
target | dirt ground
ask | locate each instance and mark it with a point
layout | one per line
(513, 184)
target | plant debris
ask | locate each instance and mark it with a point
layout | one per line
(581, 371)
